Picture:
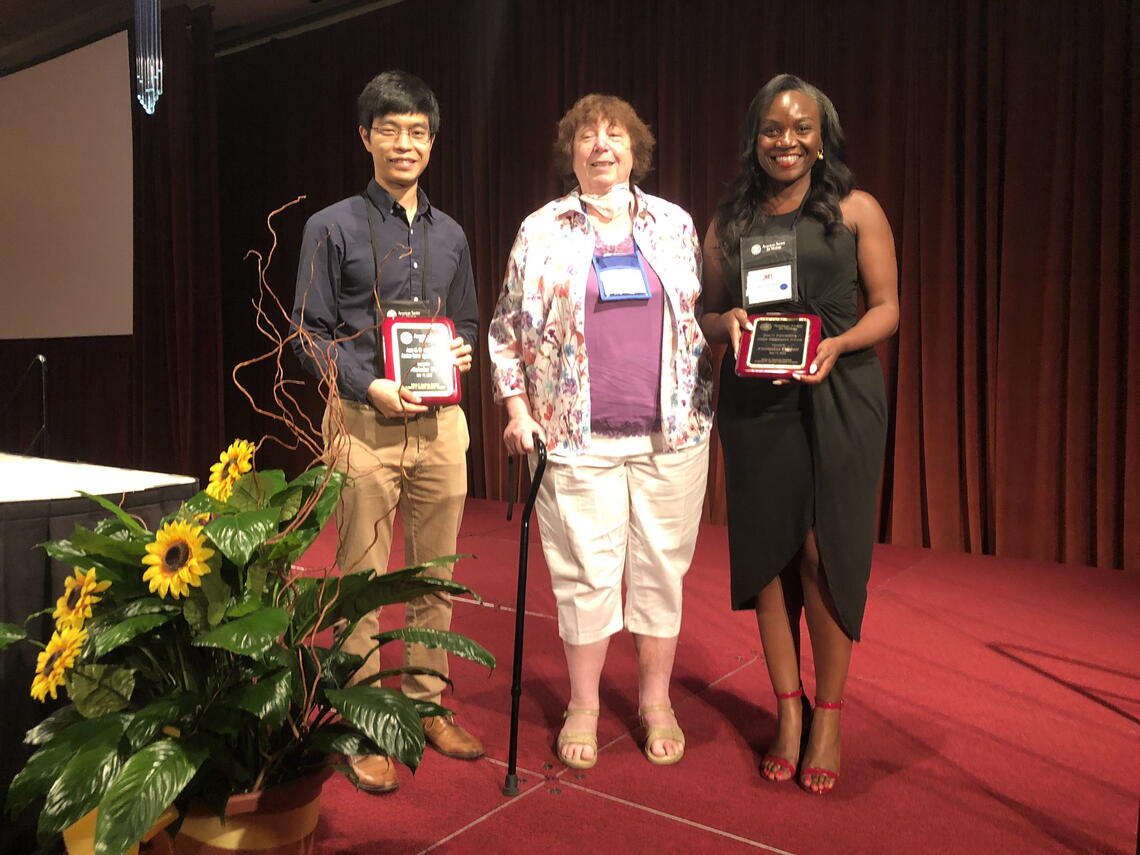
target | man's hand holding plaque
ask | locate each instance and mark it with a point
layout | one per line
(420, 356)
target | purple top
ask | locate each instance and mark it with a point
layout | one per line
(623, 340)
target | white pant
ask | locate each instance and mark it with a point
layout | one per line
(602, 516)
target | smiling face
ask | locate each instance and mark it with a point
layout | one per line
(790, 137)
(400, 146)
(603, 156)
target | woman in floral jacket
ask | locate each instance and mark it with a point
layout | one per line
(596, 349)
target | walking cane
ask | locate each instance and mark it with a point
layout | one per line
(511, 785)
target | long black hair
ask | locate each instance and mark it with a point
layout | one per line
(741, 206)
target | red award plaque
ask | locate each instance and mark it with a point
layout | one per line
(778, 346)
(417, 355)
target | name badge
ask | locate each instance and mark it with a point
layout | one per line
(768, 269)
(404, 309)
(620, 277)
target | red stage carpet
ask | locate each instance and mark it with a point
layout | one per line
(993, 706)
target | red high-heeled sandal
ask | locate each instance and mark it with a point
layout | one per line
(780, 761)
(831, 776)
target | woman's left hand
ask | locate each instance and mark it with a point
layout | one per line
(461, 352)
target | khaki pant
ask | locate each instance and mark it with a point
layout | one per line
(609, 517)
(422, 470)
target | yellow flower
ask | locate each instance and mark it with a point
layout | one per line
(234, 462)
(177, 559)
(74, 607)
(55, 659)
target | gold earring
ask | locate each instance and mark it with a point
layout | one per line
(820, 155)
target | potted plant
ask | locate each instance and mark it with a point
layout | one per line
(198, 664)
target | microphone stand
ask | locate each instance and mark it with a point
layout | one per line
(41, 434)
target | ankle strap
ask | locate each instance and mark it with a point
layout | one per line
(825, 705)
(657, 708)
(569, 712)
(798, 693)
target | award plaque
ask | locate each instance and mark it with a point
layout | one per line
(778, 346)
(417, 355)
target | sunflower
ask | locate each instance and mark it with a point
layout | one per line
(79, 591)
(234, 462)
(177, 559)
(55, 659)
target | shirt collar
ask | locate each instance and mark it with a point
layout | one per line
(384, 201)
(570, 206)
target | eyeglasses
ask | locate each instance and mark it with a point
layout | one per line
(391, 133)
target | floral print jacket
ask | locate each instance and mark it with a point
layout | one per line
(537, 339)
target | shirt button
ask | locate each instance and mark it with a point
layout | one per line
(416, 265)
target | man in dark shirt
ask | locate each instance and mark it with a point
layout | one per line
(390, 243)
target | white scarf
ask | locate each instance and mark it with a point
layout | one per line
(618, 199)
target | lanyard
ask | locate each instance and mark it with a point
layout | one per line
(769, 273)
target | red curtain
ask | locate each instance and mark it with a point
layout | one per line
(1001, 139)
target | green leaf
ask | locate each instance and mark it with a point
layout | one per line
(113, 548)
(226, 722)
(291, 546)
(452, 642)
(409, 669)
(148, 721)
(303, 606)
(149, 781)
(253, 490)
(311, 477)
(126, 519)
(255, 578)
(289, 500)
(58, 721)
(10, 634)
(109, 635)
(81, 784)
(248, 603)
(327, 503)
(251, 635)
(427, 708)
(337, 666)
(341, 738)
(38, 774)
(202, 503)
(239, 535)
(268, 698)
(385, 716)
(65, 552)
(194, 610)
(99, 689)
(218, 595)
(144, 606)
(361, 593)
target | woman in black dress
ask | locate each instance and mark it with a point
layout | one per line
(803, 456)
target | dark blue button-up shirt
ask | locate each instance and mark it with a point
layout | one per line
(334, 300)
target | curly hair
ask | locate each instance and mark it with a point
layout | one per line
(741, 206)
(588, 110)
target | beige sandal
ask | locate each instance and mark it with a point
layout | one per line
(654, 733)
(578, 738)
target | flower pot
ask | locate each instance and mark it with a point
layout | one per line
(279, 821)
(79, 839)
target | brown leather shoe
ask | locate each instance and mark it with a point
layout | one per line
(375, 774)
(451, 740)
